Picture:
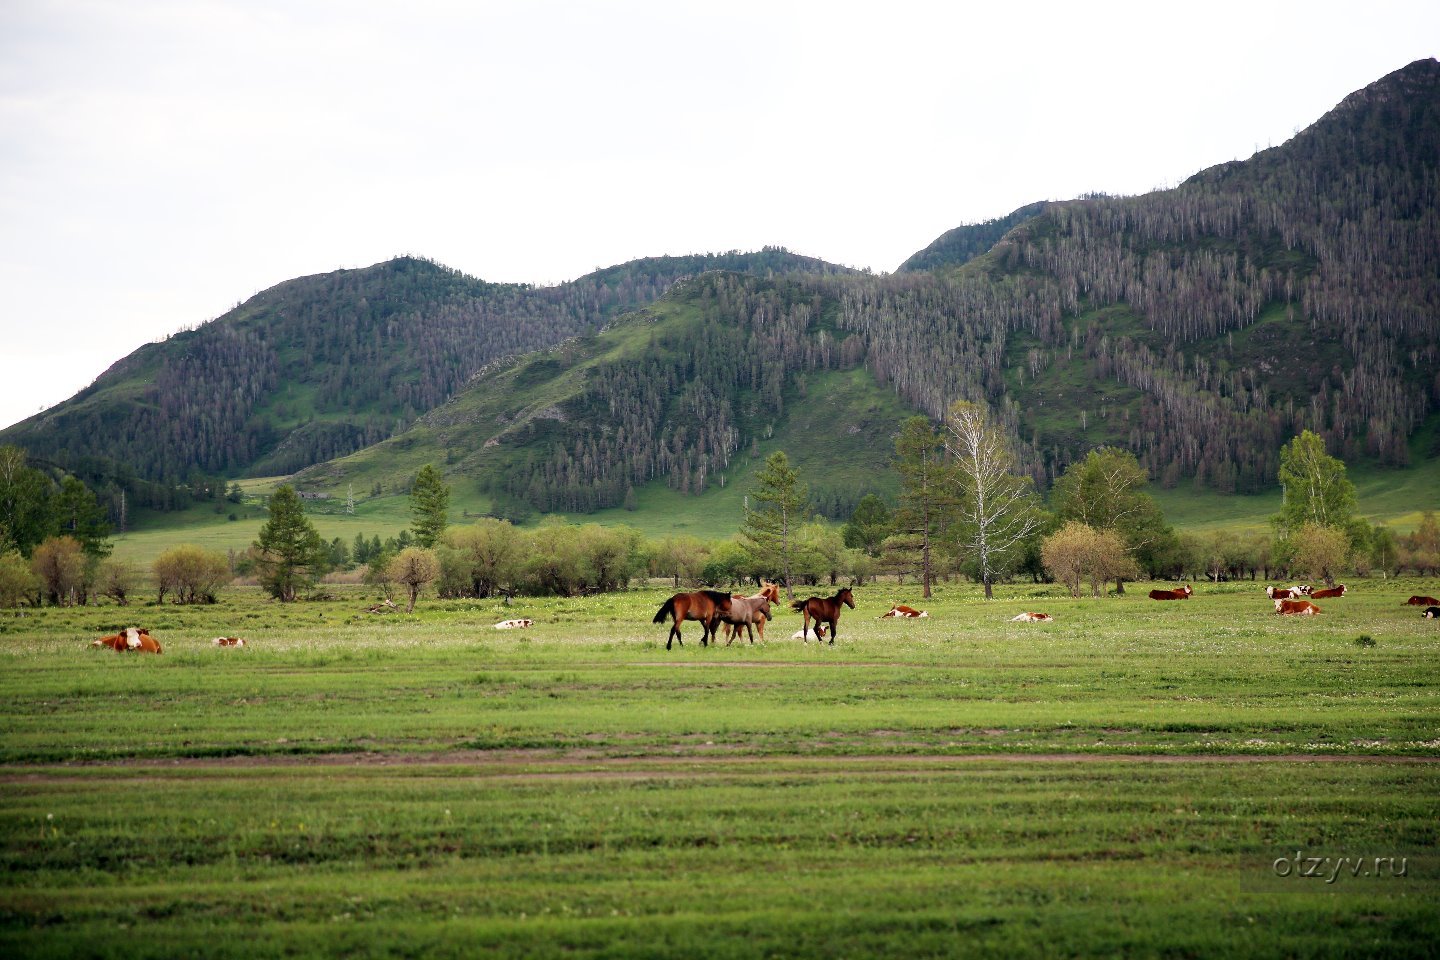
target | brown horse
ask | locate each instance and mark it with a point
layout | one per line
(706, 606)
(768, 591)
(824, 610)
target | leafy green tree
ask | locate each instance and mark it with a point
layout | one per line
(117, 579)
(611, 555)
(414, 567)
(1106, 491)
(997, 509)
(679, 556)
(17, 581)
(61, 566)
(1314, 487)
(730, 562)
(291, 554)
(926, 497)
(868, 526)
(1319, 551)
(486, 556)
(769, 528)
(193, 574)
(429, 503)
(25, 517)
(1078, 552)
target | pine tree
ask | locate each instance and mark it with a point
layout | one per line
(292, 554)
(926, 494)
(769, 529)
(429, 501)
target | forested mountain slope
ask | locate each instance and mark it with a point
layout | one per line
(320, 366)
(1200, 327)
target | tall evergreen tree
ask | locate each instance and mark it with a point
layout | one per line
(429, 502)
(868, 526)
(292, 555)
(769, 529)
(926, 494)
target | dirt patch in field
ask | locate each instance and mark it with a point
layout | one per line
(682, 763)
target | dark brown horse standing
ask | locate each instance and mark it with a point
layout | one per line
(824, 610)
(706, 606)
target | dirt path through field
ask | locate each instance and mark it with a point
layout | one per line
(590, 764)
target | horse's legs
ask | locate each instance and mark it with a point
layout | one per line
(805, 629)
(833, 624)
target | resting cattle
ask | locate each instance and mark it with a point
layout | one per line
(132, 639)
(1431, 613)
(1302, 607)
(1423, 602)
(903, 612)
(1288, 593)
(229, 641)
(1032, 617)
(1329, 593)
(514, 624)
(1182, 594)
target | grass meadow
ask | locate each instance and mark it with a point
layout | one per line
(1131, 779)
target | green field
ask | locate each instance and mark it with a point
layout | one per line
(1120, 781)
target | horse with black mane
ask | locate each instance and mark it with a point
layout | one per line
(824, 610)
(706, 606)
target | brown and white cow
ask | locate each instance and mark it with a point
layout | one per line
(1182, 594)
(1303, 608)
(514, 624)
(1288, 593)
(229, 641)
(900, 611)
(1031, 618)
(1422, 602)
(1329, 593)
(131, 639)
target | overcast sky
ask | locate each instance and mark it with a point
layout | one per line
(162, 160)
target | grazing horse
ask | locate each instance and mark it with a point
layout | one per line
(768, 591)
(1182, 594)
(824, 610)
(137, 639)
(746, 612)
(706, 606)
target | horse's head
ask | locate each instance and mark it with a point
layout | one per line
(770, 591)
(845, 597)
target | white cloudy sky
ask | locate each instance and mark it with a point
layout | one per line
(161, 160)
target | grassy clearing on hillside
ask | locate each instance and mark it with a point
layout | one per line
(1119, 781)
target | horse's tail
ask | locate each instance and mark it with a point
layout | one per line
(798, 605)
(667, 609)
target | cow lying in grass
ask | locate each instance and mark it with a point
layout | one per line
(228, 641)
(1302, 607)
(1031, 618)
(514, 624)
(130, 640)
(1329, 593)
(900, 611)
